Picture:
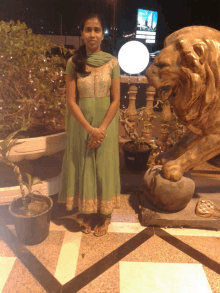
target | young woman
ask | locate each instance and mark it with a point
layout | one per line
(90, 176)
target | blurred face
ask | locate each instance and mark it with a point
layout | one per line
(92, 35)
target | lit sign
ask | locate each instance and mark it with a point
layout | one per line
(146, 25)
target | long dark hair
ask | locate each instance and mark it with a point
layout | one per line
(79, 58)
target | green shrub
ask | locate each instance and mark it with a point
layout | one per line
(32, 85)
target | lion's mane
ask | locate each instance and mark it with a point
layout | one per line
(194, 76)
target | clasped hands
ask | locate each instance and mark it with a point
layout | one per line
(96, 137)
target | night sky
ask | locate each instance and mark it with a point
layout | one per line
(44, 16)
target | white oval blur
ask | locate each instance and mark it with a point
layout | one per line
(133, 57)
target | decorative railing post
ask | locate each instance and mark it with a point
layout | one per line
(131, 112)
(148, 114)
(166, 117)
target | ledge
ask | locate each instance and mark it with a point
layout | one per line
(34, 148)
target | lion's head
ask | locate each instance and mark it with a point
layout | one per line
(187, 73)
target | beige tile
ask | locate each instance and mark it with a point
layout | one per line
(21, 280)
(12, 227)
(67, 262)
(162, 278)
(128, 211)
(158, 250)
(209, 246)
(5, 251)
(92, 250)
(107, 282)
(6, 265)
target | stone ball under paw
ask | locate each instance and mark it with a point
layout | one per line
(167, 195)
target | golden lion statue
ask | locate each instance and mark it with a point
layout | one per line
(187, 73)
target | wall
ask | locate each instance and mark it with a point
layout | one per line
(66, 40)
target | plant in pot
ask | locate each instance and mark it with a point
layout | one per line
(171, 131)
(136, 150)
(31, 212)
(32, 85)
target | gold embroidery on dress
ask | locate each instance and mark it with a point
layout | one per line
(98, 83)
(71, 202)
(93, 205)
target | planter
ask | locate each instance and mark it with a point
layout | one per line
(47, 187)
(32, 229)
(34, 148)
(136, 159)
(47, 169)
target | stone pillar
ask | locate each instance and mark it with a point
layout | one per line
(148, 113)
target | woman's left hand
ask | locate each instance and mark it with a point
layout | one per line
(94, 143)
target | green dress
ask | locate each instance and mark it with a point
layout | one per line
(90, 177)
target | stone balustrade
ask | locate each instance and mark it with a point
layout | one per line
(148, 115)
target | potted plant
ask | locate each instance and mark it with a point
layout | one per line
(32, 88)
(31, 212)
(136, 150)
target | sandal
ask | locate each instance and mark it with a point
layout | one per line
(86, 225)
(102, 228)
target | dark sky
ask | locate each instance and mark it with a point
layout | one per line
(44, 16)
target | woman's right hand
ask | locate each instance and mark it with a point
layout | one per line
(96, 137)
(98, 134)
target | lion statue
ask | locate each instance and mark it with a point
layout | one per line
(187, 73)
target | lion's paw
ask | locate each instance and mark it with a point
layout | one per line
(163, 158)
(172, 171)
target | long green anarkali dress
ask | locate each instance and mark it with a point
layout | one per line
(90, 176)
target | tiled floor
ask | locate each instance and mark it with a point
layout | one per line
(130, 258)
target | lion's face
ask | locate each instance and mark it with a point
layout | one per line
(181, 72)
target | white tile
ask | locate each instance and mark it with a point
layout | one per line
(6, 265)
(192, 232)
(67, 262)
(162, 278)
(123, 227)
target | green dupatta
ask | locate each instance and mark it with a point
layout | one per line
(98, 59)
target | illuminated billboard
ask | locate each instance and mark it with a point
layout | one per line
(146, 25)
